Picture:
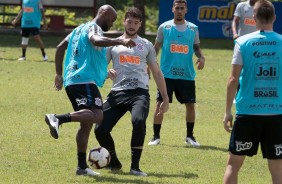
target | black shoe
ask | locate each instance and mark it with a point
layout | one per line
(114, 165)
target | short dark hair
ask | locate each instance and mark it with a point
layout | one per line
(179, 1)
(264, 11)
(133, 12)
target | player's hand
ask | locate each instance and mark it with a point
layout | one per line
(235, 36)
(129, 43)
(200, 63)
(14, 22)
(58, 85)
(112, 74)
(163, 107)
(228, 122)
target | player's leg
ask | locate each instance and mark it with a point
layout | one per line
(190, 122)
(157, 120)
(234, 164)
(139, 109)
(37, 38)
(185, 93)
(112, 113)
(271, 146)
(87, 103)
(25, 38)
(275, 168)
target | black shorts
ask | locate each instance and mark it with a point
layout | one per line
(84, 96)
(250, 130)
(31, 30)
(185, 90)
(136, 101)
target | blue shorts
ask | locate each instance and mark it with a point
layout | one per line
(251, 130)
(184, 90)
(84, 96)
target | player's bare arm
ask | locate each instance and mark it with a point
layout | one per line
(112, 74)
(235, 24)
(157, 46)
(59, 57)
(160, 82)
(232, 85)
(201, 59)
(17, 18)
(102, 41)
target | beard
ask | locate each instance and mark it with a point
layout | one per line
(105, 27)
(131, 34)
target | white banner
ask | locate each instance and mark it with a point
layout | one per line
(63, 3)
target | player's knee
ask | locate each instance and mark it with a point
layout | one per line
(25, 40)
(97, 116)
(139, 127)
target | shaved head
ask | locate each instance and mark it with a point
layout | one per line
(106, 16)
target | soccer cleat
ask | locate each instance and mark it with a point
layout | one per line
(21, 58)
(114, 165)
(53, 124)
(45, 58)
(191, 140)
(86, 172)
(137, 172)
(154, 142)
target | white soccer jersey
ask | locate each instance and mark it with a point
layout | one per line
(131, 64)
(246, 23)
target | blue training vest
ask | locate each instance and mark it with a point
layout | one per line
(177, 52)
(261, 76)
(31, 16)
(84, 63)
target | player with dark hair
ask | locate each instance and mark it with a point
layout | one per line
(179, 40)
(257, 63)
(85, 68)
(31, 13)
(243, 21)
(130, 91)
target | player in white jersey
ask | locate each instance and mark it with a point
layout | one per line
(243, 21)
(130, 91)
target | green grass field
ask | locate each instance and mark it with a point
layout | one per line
(28, 154)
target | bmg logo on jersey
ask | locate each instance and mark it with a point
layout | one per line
(278, 149)
(267, 71)
(243, 146)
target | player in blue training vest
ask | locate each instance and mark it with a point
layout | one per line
(32, 12)
(179, 40)
(256, 66)
(85, 68)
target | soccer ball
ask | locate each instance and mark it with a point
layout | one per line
(99, 157)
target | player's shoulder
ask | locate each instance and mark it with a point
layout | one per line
(167, 23)
(242, 4)
(190, 24)
(144, 41)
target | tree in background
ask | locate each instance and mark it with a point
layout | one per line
(140, 4)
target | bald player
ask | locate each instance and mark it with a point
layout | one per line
(85, 68)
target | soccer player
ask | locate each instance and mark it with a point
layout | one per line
(85, 68)
(130, 91)
(179, 40)
(243, 22)
(257, 63)
(31, 13)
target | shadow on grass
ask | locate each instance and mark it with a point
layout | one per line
(139, 179)
(202, 147)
